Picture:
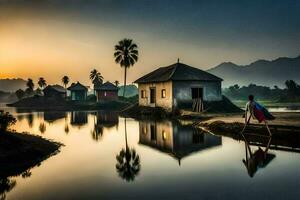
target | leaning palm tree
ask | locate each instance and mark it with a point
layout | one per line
(96, 76)
(42, 82)
(65, 80)
(126, 54)
(128, 162)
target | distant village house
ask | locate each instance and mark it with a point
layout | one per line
(106, 91)
(178, 86)
(78, 92)
(55, 91)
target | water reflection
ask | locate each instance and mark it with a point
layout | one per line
(107, 119)
(79, 118)
(30, 119)
(258, 159)
(175, 139)
(53, 116)
(42, 127)
(128, 161)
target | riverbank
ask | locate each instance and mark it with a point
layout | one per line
(20, 152)
(38, 103)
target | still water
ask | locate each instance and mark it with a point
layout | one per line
(165, 160)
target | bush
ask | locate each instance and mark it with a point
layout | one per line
(6, 120)
(91, 98)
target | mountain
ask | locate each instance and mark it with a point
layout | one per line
(260, 72)
(11, 85)
(131, 90)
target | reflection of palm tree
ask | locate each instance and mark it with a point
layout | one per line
(128, 162)
(6, 185)
(42, 127)
(66, 125)
(97, 132)
(30, 119)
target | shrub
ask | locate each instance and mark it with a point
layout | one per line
(6, 120)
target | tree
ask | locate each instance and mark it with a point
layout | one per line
(96, 77)
(30, 86)
(292, 87)
(128, 162)
(20, 93)
(126, 54)
(116, 83)
(42, 82)
(65, 80)
(6, 120)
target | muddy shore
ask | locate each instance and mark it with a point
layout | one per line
(21, 151)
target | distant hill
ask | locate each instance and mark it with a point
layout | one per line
(131, 90)
(11, 85)
(260, 72)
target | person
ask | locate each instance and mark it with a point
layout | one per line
(257, 112)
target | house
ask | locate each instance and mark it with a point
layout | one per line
(55, 91)
(106, 91)
(78, 91)
(178, 86)
(175, 139)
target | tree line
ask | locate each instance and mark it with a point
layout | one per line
(291, 92)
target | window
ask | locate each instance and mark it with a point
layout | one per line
(163, 93)
(143, 93)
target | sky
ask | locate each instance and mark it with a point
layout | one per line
(53, 38)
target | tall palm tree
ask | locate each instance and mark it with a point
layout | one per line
(65, 80)
(116, 83)
(96, 76)
(126, 54)
(128, 162)
(42, 82)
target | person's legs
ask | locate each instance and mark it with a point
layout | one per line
(266, 123)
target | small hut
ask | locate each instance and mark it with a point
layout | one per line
(78, 91)
(55, 91)
(179, 86)
(106, 91)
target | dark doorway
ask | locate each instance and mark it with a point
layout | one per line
(197, 97)
(153, 132)
(152, 95)
(197, 93)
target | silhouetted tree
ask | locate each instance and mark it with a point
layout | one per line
(6, 120)
(30, 87)
(20, 93)
(42, 82)
(116, 83)
(96, 77)
(128, 161)
(126, 54)
(65, 80)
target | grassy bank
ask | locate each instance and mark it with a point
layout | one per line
(20, 152)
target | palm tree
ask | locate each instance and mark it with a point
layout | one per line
(96, 76)
(42, 82)
(65, 80)
(116, 83)
(128, 162)
(126, 54)
(30, 84)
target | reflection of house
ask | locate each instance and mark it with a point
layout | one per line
(178, 86)
(79, 118)
(175, 139)
(52, 116)
(78, 91)
(55, 91)
(107, 118)
(106, 91)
